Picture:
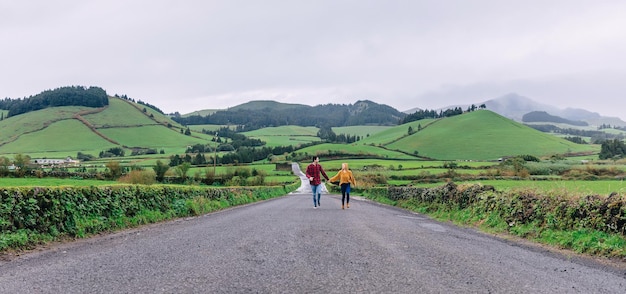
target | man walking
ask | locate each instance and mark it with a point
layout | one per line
(313, 172)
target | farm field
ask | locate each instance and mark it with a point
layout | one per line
(574, 187)
(151, 136)
(119, 113)
(361, 131)
(391, 134)
(54, 139)
(45, 182)
(353, 150)
(477, 140)
(285, 135)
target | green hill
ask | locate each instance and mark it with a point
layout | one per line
(285, 135)
(483, 135)
(267, 104)
(64, 131)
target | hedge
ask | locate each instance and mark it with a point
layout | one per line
(59, 210)
(605, 214)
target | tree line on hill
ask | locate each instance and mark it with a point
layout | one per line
(332, 115)
(542, 116)
(64, 96)
(425, 113)
(139, 102)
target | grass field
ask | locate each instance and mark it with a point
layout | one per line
(119, 113)
(391, 134)
(483, 135)
(151, 136)
(355, 149)
(55, 138)
(285, 135)
(573, 188)
(34, 121)
(45, 182)
(361, 131)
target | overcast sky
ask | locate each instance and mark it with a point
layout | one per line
(192, 55)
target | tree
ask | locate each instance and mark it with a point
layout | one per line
(182, 170)
(612, 149)
(114, 170)
(4, 166)
(21, 161)
(160, 169)
(199, 159)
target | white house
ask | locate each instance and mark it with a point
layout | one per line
(51, 161)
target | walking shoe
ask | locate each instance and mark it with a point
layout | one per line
(348, 205)
(341, 206)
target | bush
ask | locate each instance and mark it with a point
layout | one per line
(143, 177)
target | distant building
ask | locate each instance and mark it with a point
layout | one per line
(52, 162)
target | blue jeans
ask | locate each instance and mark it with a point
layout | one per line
(317, 191)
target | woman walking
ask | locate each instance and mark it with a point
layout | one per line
(345, 178)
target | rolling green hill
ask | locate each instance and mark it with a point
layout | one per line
(64, 131)
(483, 135)
(479, 135)
(263, 104)
(65, 136)
(285, 135)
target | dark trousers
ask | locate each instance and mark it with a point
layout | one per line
(345, 193)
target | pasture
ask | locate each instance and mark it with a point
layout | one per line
(52, 182)
(483, 135)
(119, 113)
(152, 136)
(572, 188)
(55, 137)
(285, 135)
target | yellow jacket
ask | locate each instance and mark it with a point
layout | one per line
(344, 176)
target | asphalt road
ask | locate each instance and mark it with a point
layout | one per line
(284, 245)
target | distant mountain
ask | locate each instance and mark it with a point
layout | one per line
(514, 106)
(262, 104)
(259, 114)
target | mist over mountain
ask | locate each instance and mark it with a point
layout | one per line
(515, 106)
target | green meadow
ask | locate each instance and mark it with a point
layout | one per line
(361, 131)
(572, 188)
(52, 182)
(13, 127)
(391, 134)
(483, 135)
(357, 149)
(285, 135)
(151, 136)
(119, 113)
(63, 136)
